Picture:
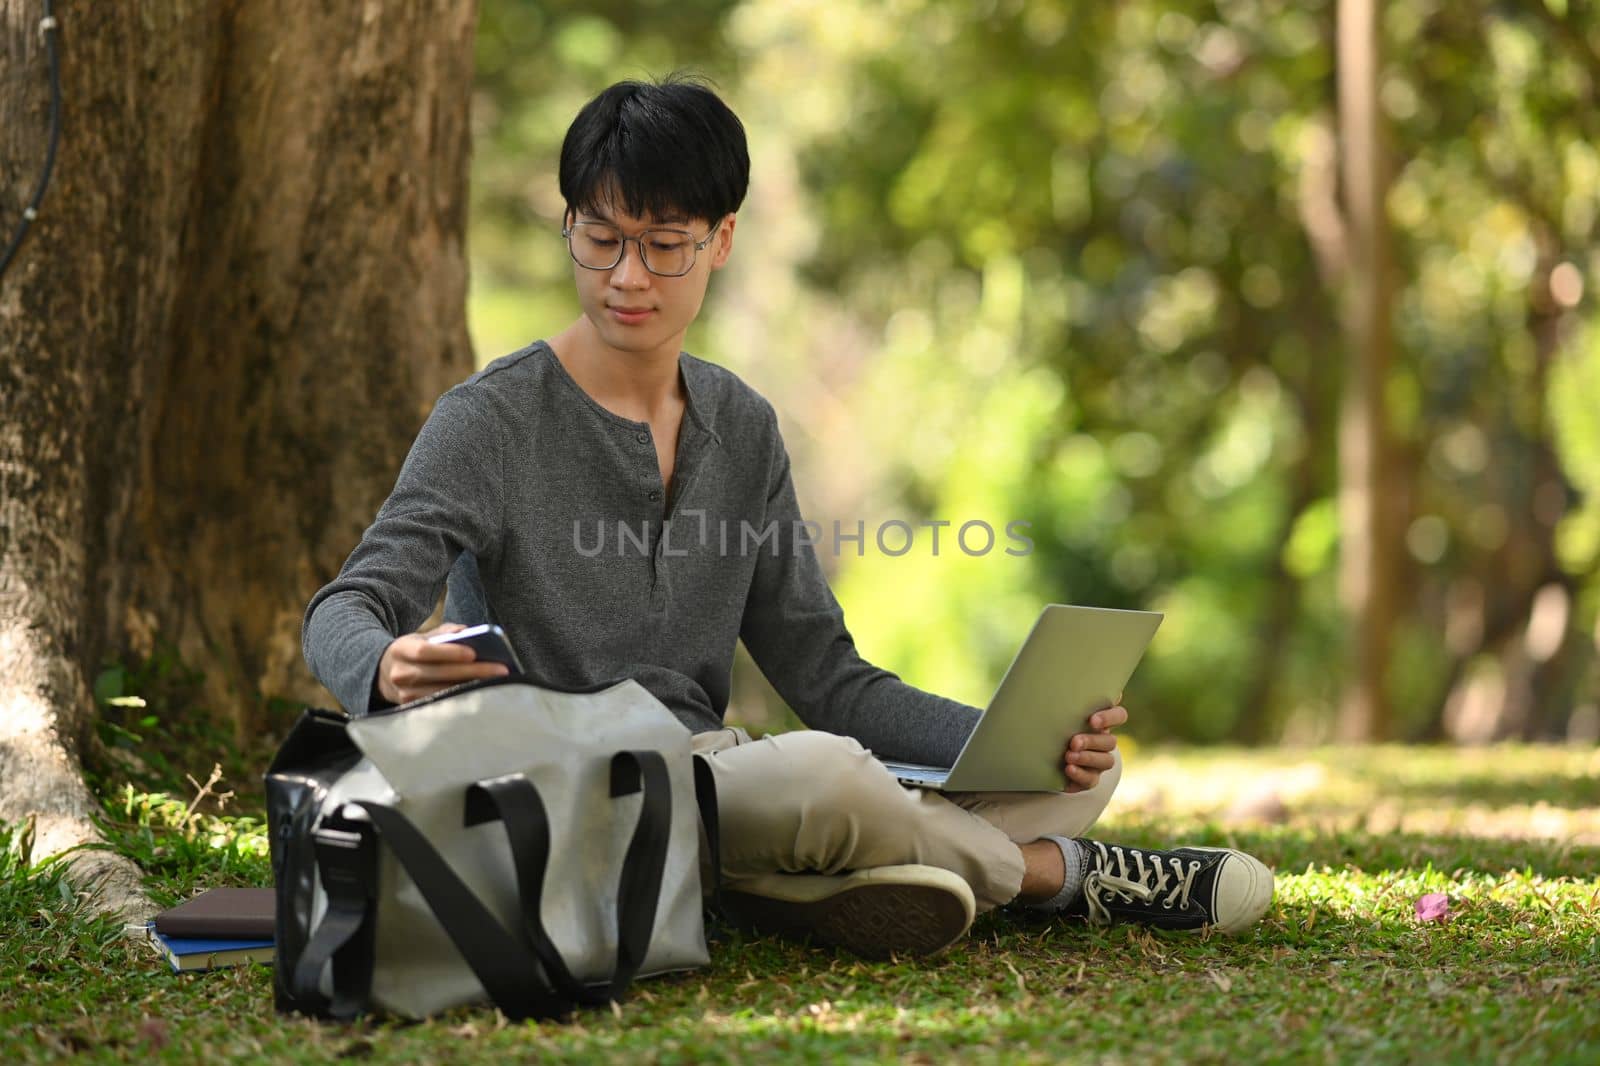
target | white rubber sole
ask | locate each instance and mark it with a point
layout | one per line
(1244, 891)
(889, 910)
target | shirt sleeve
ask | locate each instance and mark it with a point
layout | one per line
(794, 629)
(446, 501)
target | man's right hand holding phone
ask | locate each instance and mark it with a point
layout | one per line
(412, 667)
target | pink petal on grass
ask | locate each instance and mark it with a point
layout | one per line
(1434, 907)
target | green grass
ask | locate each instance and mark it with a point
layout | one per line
(1339, 971)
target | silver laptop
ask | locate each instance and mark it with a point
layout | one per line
(1075, 661)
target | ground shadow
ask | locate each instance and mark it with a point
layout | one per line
(1572, 793)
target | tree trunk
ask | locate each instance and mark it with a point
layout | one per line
(1260, 719)
(244, 289)
(1369, 540)
(1527, 593)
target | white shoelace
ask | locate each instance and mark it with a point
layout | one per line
(1139, 882)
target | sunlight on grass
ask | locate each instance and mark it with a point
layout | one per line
(153, 814)
(1339, 970)
(1561, 907)
(1504, 792)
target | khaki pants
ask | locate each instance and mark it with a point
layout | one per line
(815, 801)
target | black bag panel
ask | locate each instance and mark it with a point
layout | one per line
(316, 739)
(316, 753)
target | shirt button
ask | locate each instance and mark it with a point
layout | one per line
(655, 495)
(643, 438)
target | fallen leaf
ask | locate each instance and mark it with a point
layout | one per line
(1223, 982)
(1434, 907)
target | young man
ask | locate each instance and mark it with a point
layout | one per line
(523, 471)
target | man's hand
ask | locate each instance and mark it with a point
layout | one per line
(412, 668)
(1088, 753)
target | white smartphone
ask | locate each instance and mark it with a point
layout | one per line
(488, 642)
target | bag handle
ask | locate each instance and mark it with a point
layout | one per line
(515, 801)
(501, 961)
(639, 888)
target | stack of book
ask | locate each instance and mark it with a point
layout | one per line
(219, 927)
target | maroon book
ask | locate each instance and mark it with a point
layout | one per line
(221, 913)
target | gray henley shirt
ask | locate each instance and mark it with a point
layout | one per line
(546, 513)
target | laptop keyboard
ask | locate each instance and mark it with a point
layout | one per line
(916, 771)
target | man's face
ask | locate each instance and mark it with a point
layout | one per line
(634, 310)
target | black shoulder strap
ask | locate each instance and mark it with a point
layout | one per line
(347, 865)
(639, 890)
(508, 971)
(514, 800)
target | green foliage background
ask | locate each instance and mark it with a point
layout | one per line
(1075, 265)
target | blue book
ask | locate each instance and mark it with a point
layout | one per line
(206, 953)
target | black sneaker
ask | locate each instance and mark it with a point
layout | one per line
(1185, 888)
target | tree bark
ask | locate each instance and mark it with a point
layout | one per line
(1368, 497)
(244, 289)
(1260, 718)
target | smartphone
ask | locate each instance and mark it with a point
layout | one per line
(489, 642)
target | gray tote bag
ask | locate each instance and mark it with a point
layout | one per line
(500, 842)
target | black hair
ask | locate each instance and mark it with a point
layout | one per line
(664, 149)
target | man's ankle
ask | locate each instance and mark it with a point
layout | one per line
(1043, 871)
(1053, 873)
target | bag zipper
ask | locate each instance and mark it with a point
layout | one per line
(494, 682)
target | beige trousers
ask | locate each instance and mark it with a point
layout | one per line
(815, 801)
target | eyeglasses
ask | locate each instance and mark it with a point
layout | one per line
(667, 253)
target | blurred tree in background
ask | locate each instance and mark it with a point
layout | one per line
(1084, 266)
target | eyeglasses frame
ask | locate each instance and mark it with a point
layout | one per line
(638, 243)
